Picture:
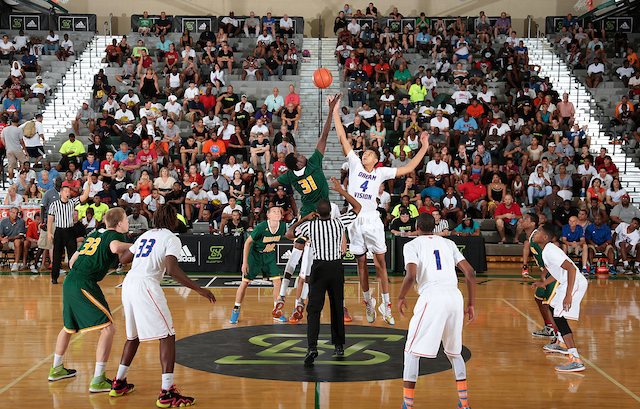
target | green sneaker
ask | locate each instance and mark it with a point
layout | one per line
(100, 384)
(60, 372)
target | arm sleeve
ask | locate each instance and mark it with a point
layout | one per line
(387, 173)
(411, 255)
(348, 218)
(174, 246)
(353, 159)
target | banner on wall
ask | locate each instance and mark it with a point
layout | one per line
(553, 24)
(207, 253)
(26, 22)
(471, 247)
(195, 24)
(77, 22)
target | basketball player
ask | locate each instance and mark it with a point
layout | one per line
(529, 223)
(431, 261)
(307, 177)
(84, 306)
(367, 232)
(259, 258)
(568, 293)
(146, 313)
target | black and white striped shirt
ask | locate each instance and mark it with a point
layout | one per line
(63, 212)
(442, 226)
(326, 236)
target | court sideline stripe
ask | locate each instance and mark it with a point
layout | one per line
(49, 358)
(588, 362)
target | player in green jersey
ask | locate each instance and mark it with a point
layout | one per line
(529, 224)
(307, 177)
(84, 306)
(259, 258)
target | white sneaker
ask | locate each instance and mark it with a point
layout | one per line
(370, 309)
(120, 268)
(14, 267)
(385, 310)
(63, 272)
(33, 269)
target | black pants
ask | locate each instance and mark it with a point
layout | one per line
(62, 239)
(326, 277)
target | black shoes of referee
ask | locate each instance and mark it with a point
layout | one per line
(312, 354)
(339, 351)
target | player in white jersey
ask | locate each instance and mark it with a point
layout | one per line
(565, 301)
(431, 261)
(146, 312)
(367, 232)
(626, 238)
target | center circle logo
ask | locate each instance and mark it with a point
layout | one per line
(276, 352)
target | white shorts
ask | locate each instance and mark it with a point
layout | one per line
(367, 234)
(437, 317)
(630, 252)
(307, 261)
(557, 298)
(146, 313)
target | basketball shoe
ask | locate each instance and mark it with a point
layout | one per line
(370, 309)
(100, 384)
(277, 310)
(60, 372)
(120, 387)
(385, 310)
(297, 314)
(525, 272)
(347, 317)
(572, 365)
(546, 332)
(234, 316)
(558, 347)
(172, 399)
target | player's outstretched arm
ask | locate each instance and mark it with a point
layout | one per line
(73, 259)
(332, 101)
(119, 247)
(271, 180)
(126, 257)
(470, 276)
(342, 134)
(417, 159)
(338, 188)
(177, 274)
(526, 249)
(409, 280)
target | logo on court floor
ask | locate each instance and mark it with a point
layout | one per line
(276, 352)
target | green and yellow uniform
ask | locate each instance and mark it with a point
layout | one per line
(262, 255)
(84, 306)
(542, 294)
(312, 184)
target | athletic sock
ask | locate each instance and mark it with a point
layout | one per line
(284, 286)
(123, 370)
(236, 306)
(408, 394)
(100, 368)
(462, 393)
(305, 292)
(367, 296)
(299, 302)
(344, 303)
(574, 352)
(385, 299)
(547, 323)
(167, 381)
(559, 337)
(57, 360)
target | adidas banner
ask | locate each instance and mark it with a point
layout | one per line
(471, 247)
(553, 24)
(196, 24)
(24, 21)
(77, 22)
(209, 253)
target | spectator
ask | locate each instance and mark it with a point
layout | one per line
(502, 26)
(624, 212)
(230, 25)
(474, 194)
(291, 118)
(251, 23)
(151, 203)
(273, 66)
(12, 107)
(30, 62)
(626, 238)
(586, 172)
(404, 224)
(468, 227)
(594, 73)
(108, 196)
(163, 24)
(614, 194)
(145, 24)
(72, 152)
(137, 225)
(441, 225)
(12, 232)
(599, 240)
(357, 91)
(260, 151)
(595, 208)
(286, 27)
(574, 242)
(85, 118)
(507, 215)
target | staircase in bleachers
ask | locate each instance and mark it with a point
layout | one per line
(585, 100)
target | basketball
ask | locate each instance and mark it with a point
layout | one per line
(322, 78)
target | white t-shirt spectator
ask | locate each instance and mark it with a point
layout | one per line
(131, 199)
(462, 97)
(385, 198)
(130, 101)
(623, 236)
(225, 134)
(429, 83)
(152, 204)
(486, 96)
(257, 129)
(68, 45)
(228, 210)
(442, 125)
(192, 53)
(345, 51)
(221, 197)
(173, 108)
(437, 168)
(288, 23)
(596, 68)
(248, 106)
(38, 88)
(354, 28)
(503, 129)
(266, 39)
(228, 170)
(19, 42)
(202, 195)
(464, 50)
(190, 93)
(94, 188)
(582, 170)
(54, 38)
(110, 106)
(6, 48)
(211, 123)
(625, 71)
(125, 116)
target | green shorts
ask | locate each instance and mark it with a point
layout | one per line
(264, 264)
(84, 306)
(545, 294)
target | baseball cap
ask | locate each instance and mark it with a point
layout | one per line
(38, 78)
(466, 217)
(552, 144)
(85, 102)
(193, 184)
(173, 98)
(280, 187)
(214, 185)
(625, 197)
(130, 186)
(475, 176)
(243, 96)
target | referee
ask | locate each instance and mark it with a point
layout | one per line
(327, 274)
(61, 213)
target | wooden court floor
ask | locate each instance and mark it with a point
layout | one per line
(507, 369)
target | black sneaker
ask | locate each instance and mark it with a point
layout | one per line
(312, 354)
(339, 351)
(173, 399)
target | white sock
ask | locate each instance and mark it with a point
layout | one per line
(574, 352)
(167, 381)
(100, 368)
(367, 296)
(57, 360)
(284, 286)
(305, 292)
(123, 370)
(559, 337)
(344, 303)
(625, 263)
(385, 299)
(236, 305)
(299, 302)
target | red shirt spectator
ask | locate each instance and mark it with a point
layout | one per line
(171, 57)
(612, 169)
(471, 191)
(424, 209)
(279, 168)
(209, 101)
(109, 167)
(73, 183)
(503, 209)
(147, 62)
(291, 98)
(33, 230)
(196, 178)
(148, 156)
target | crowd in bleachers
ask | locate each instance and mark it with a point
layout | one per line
(503, 141)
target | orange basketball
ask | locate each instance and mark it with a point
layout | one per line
(322, 78)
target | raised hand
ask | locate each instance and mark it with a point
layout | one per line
(336, 185)
(424, 138)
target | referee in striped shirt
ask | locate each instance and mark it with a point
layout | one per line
(327, 273)
(60, 212)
